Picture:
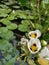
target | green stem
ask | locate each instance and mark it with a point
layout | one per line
(38, 9)
(21, 56)
(32, 24)
(23, 61)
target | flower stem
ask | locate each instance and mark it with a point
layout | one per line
(21, 56)
(38, 9)
(32, 24)
(18, 35)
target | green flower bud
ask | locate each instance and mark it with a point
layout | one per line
(43, 43)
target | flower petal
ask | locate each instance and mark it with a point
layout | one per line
(38, 33)
(34, 34)
(37, 42)
(44, 53)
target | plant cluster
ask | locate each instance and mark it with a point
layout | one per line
(24, 31)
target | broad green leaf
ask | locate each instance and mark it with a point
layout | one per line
(16, 6)
(24, 27)
(10, 2)
(38, 26)
(6, 34)
(11, 16)
(3, 15)
(12, 26)
(10, 62)
(4, 44)
(3, 6)
(25, 22)
(3, 29)
(24, 15)
(5, 10)
(5, 21)
(8, 57)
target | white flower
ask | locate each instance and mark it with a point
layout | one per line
(34, 45)
(34, 34)
(44, 53)
(24, 41)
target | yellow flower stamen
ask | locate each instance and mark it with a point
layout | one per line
(33, 47)
(33, 35)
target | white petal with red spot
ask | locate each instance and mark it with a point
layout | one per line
(37, 42)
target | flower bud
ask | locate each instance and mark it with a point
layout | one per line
(43, 42)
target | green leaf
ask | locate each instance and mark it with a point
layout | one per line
(24, 14)
(3, 6)
(4, 44)
(38, 26)
(24, 26)
(5, 21)
(0, 63)
(12, 15)
(3, 29)
(6, 34)
(10, 62)
(8, 57)
(5, 10)
(13, 60)
(25, 22)
(12, 26)
(3, 15)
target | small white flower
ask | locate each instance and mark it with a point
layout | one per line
(24, 41)
(34, 45)
(34, 34)
(44, 53)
